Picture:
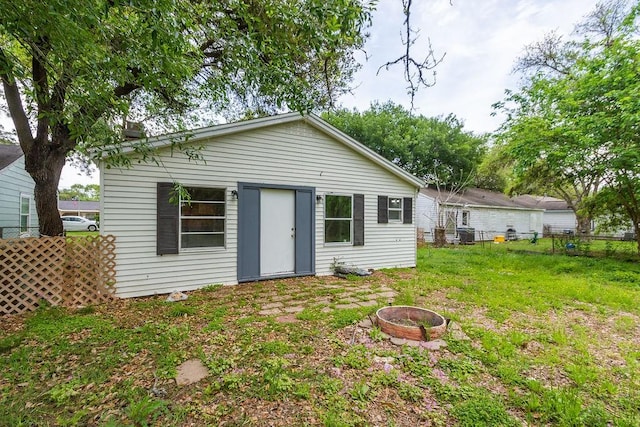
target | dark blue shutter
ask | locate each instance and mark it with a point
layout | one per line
(167, 220)
(383, 209)
(248, 233)
(358, 220)
(305, 241)
(407, 210)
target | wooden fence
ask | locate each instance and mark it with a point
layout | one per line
(67, 271)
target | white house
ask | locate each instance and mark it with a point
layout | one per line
(489, 214)
(558, 215)
(281, 196)
(86, 208)
(559, 218)
(17, 207)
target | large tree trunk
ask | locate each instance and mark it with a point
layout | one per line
(440, 237)
(584, 225)
(45, 166)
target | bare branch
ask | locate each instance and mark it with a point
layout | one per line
(415, 72)
(551, 54)
(605, 20)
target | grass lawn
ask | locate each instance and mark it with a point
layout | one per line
(554, 340)
(81, 233)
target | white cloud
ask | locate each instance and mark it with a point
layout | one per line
(482, 39)
(71, 175)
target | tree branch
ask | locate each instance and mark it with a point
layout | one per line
(14, 102)
(414, 70)
(550, 54)
(41, 89)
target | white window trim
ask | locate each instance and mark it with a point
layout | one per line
(390, 209)
(224, 234)
(29, 214)
(450, 221)
(466, 213)
(324, 224)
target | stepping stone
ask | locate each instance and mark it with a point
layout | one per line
(272, 305)
(387, 294)
(398, 341)
(433, 345)
(456, 332)
(191, 372)
(289, 318)
(342, 306)
(270, 312)
(297, 309)
(366, 324)
(388, 359)
(368, 303)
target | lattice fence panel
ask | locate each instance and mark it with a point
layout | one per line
(90, 270)
(68, 271)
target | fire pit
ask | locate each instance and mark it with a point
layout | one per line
(414, 323)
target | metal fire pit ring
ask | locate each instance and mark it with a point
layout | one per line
(414, 323)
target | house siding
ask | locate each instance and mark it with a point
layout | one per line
(557, 221)
(488, 222)
(14, 180)
(292, 154)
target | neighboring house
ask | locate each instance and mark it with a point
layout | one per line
(87, 209)
(280, 196)
(558, 216)
(17, 207)
(489, 214)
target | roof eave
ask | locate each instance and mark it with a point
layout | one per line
(311, 119)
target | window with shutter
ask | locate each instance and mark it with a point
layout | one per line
(395, 209)
(202, 218)
(197, 223)
(338, 218)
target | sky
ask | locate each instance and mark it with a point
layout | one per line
(480, 39)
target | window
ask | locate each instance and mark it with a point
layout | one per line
(450, 222)
(338, 219)
(25, 212)
(202, 219)
(465, 218)
(395, 209)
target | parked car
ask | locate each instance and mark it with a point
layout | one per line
(78, 223)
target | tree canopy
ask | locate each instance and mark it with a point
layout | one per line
(429, 148)
(572, 130)
(80, 192)
(73, 72)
